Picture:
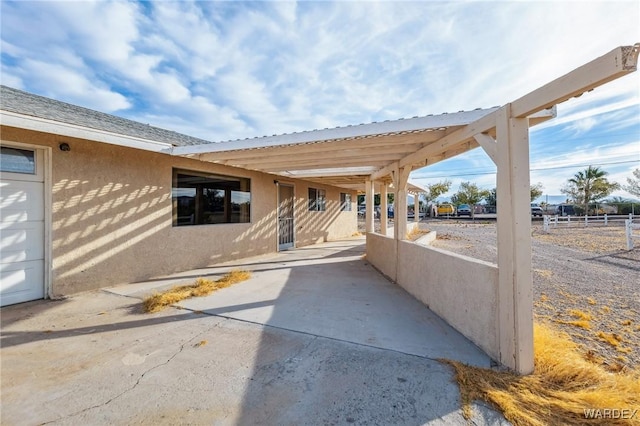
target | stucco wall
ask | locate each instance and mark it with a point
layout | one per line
(111, 215)
(461, 290)
(313, 227)
(381, 253)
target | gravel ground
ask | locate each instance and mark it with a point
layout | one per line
(585, 283)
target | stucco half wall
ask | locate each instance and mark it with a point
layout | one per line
(111, 214)
(461, 290)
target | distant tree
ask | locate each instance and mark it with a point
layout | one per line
(376, 199)
(491, 198)
(437, 189)
(623, 205)
(589, 186)
(536, 190)
(633, 186)
(469, 193)
(617, 200)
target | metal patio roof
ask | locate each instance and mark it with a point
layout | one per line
(345, 156)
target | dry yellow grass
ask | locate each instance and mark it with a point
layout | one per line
(594, 240)
(201, 287)
(544, 273)
(563, 385)
(576, 313)
(577, 323)
(416, 233)
(582, 319)
(613, 339)
(591, 301)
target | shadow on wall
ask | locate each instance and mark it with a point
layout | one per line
(112, 233)
(312, 227)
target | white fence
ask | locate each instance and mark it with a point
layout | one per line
(629, 228)
(578, 221)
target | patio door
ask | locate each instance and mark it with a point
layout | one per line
(285, 217)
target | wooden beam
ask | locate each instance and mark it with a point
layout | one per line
(384, 210)
(620, 61)
(459, 136)
(329, 146)
(400, 203)
(369, 206)
(515, 297)
(488, 144)
(310, 165)
(343, 155)
(385, 171)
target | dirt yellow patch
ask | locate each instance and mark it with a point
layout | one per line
(613, 339)
(564, 388)
(577, 323)
(416, 233)
(544, 273)
(201, 287)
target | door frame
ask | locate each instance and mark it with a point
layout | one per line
(43, 155)
(293, 213)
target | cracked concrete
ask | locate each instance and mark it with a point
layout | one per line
(96, 359)
(55, 372)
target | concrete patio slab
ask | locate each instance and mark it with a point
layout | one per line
(327, 290)
(96, 359)
(349, 349)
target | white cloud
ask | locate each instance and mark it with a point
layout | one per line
(226, 70)
(78, 88)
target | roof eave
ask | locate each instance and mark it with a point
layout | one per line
(27, 122)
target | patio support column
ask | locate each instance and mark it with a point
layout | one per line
(368, 218)
(400, 201)
(384, 216)
(515, 296)
(416, 207)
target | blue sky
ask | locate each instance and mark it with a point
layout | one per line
(229, 70)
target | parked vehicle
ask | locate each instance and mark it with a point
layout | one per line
(464, 210)
(565, 210)
(362, 211)
(446, 209)
(536, 210)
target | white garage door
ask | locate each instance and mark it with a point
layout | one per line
(21, 225)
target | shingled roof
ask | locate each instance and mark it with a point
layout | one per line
(19, 102)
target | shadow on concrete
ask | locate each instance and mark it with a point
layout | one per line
(337, 344)
(369, 349)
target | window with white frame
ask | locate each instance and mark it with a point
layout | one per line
(317, 200)
(345, 202)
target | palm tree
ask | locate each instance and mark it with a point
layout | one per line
(588, 186)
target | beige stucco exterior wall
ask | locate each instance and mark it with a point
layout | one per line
(382, 254)
(461, 290)
(111, 215)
